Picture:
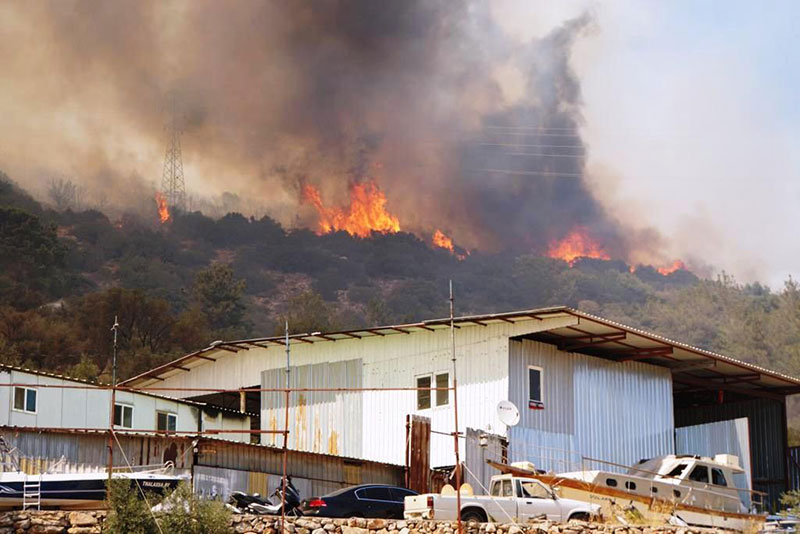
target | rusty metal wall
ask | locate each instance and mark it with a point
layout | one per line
(39, 451)
(324, 472)
(328, 422)
(419, 453)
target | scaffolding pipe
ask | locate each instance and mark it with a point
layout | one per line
(113, 402)
(455, 409)
(285, 434)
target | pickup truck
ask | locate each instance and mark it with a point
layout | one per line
(510, 498)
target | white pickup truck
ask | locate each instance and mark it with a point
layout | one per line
(510, 498)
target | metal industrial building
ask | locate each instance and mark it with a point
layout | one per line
(45, 401)
(587, 388)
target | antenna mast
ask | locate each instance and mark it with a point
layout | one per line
(173, 186)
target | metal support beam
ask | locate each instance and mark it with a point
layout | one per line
(641, 354)
(713, 386)
(569, 344)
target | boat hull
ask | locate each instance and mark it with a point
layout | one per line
(627, 507)
(79, 492)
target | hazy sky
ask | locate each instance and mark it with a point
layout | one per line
(690, 109)
(692, 115)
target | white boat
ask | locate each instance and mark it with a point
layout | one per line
(74, 490)
(687, 490)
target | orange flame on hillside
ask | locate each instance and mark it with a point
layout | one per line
(442, 241)
(677, 265)
(577, 244)
(163, 210)
(365, 214)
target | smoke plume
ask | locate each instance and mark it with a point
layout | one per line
(464, 128)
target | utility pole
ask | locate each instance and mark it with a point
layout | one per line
(173, 186)
(113, 402)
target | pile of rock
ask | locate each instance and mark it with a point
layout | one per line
(55, 522)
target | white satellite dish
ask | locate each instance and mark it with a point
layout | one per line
(507, 413)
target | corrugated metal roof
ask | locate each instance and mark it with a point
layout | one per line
(594, 335)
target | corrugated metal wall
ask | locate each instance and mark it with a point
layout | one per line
(327, 422)
(616, 412)
(794, 468)
(767, 438)
(394, 360)
(721, 437)
(321, 473)
(89, 452)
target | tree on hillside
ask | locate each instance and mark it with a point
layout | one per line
(218, 294)
(308, 312)
(31, 259)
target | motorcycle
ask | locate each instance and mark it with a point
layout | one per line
(244, 503)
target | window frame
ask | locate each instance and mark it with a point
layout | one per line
(429, 392)
(435, 381)
(699, 467)
(536, 404)
(24, 408)
(716, 471)
(168, 414)
(124, 405)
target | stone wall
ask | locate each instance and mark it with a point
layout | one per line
(57, 522)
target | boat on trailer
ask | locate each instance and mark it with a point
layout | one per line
(674, 489)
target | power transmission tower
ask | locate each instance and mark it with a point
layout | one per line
(172, 183)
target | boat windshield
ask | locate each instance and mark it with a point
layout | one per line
(677, 470)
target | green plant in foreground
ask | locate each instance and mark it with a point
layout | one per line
(185, 513)
(128, 513)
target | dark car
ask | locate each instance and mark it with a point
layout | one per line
(366, 500)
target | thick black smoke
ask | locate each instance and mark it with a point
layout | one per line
(274, 94)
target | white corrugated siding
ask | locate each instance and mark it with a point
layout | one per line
(723, 437)
(375, 431)
(616, 412)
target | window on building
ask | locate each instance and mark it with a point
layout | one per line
(423, 395)
(718, 477)
(699, 474)
(535, 397)
(123, 415)
(167, 422)
(25, 399)
(442, 395)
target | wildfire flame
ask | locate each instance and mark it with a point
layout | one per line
(441, 240)
(677, 265)
(365, 214)
(163, 210)
(577, 244)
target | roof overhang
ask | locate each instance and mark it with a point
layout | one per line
(691, 367)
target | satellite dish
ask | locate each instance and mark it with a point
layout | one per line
(507, 413)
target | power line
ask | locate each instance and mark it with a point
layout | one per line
(533, 173)
(532, 146)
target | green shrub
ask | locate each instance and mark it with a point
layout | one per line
(128, 513)
(185, 513)
(791, 502)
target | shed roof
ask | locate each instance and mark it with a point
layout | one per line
(691, 367)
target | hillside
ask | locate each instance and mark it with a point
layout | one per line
(180, 285)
